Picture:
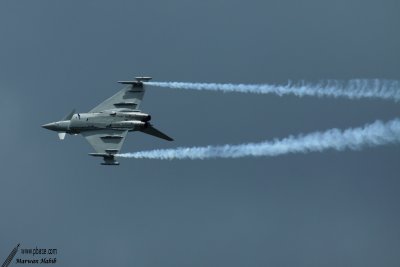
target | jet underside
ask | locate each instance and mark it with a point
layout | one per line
(106, 126)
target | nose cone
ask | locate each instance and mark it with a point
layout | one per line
(49, 126)
(58, 126)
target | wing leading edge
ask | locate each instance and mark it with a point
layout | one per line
(129, 98)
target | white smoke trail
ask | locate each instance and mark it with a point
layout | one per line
(377, 133)
(352, 89)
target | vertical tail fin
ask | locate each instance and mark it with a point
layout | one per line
(154, 132)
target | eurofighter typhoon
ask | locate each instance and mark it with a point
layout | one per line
(106, 126)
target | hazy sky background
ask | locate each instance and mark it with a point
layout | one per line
(319, 209)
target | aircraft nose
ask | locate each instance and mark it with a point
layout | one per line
(49, 126)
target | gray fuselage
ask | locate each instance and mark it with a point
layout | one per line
(80, 122)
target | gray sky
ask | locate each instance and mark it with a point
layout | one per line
(320, 209)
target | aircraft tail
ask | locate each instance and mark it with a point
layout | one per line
(154, 132)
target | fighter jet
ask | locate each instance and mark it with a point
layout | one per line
(106, 126)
